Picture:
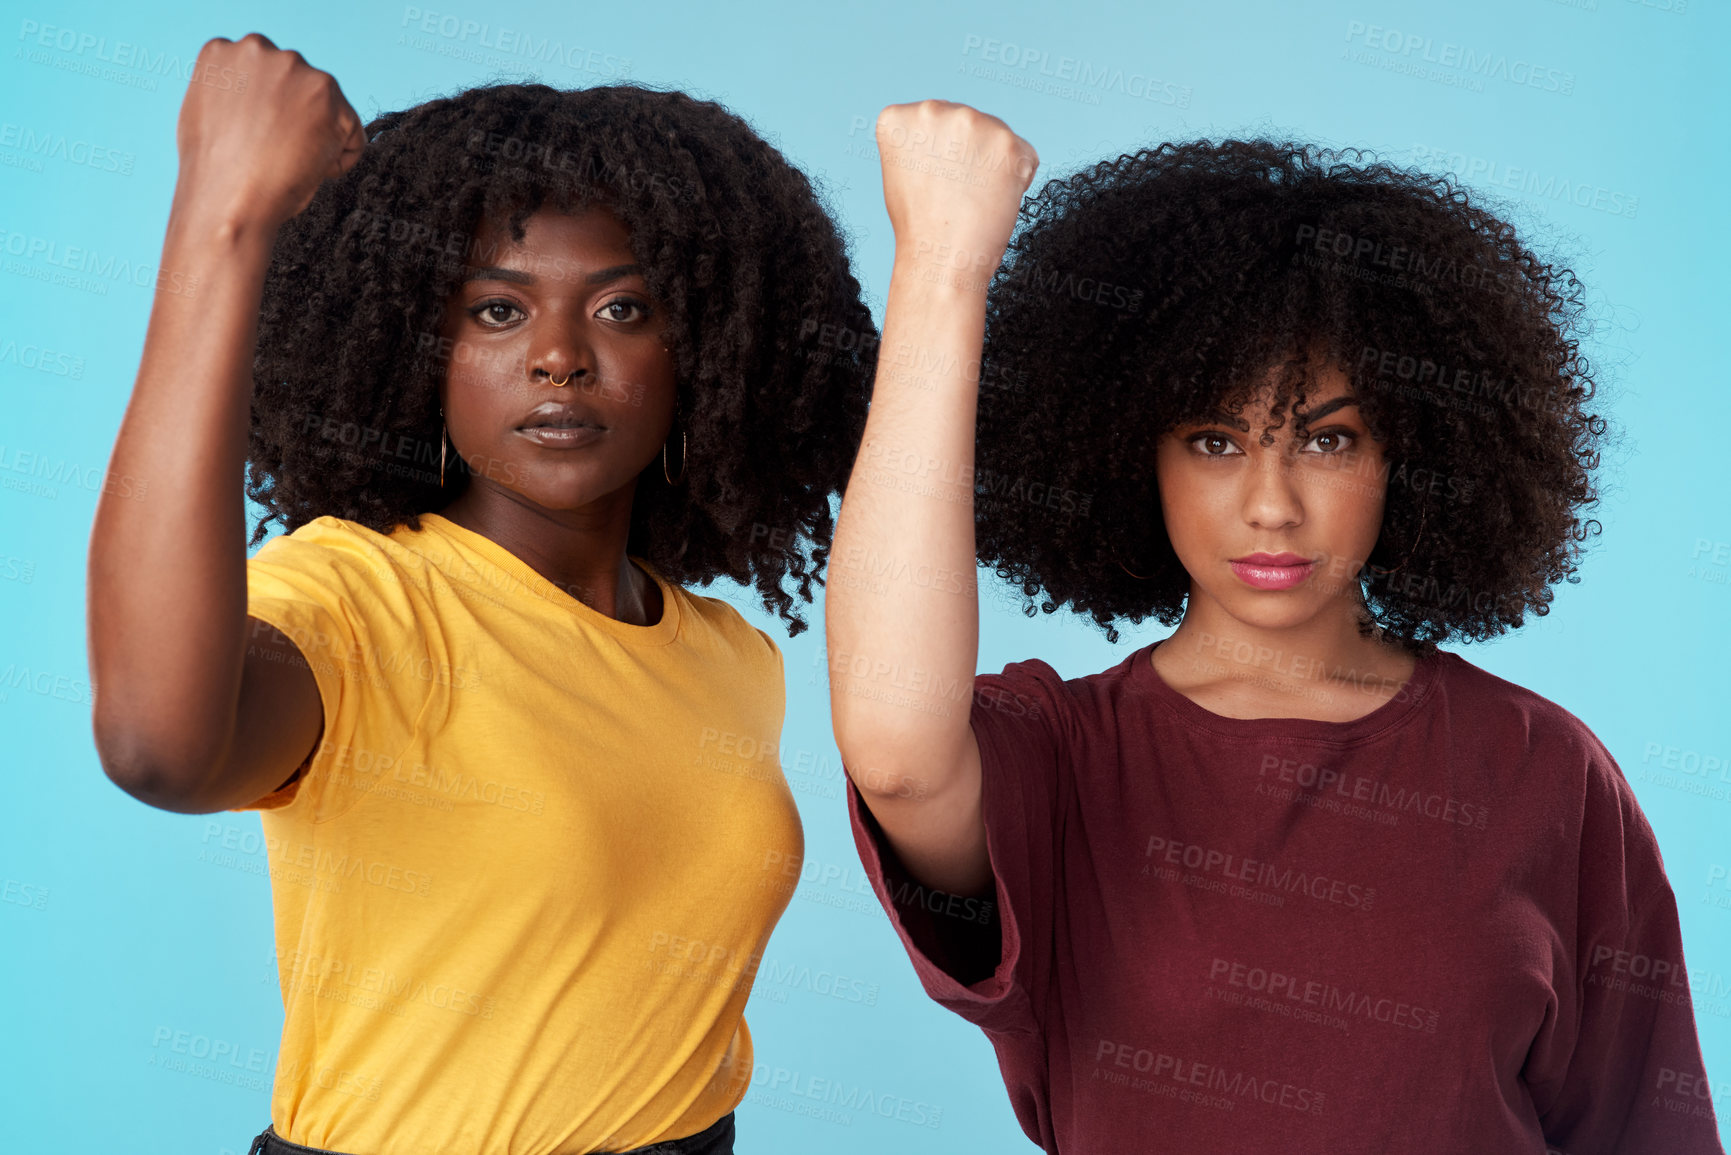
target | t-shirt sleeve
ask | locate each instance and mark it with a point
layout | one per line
(344, 615)
(1619, 1070)
(988, 959)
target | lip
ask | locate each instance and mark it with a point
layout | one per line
(1272, 559)
(1272, 571)
(561, 425)
(562, 437)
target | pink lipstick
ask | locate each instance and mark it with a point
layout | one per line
(1272, 571)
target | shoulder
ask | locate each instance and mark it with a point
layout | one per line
(1523, 736)
(326, 538)
(1039, 678)
(352, 579)
(1590, 799)
(1034, 690)
(337, 546)
(716, 622)
(1509, 712)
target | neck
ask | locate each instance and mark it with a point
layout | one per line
(1319, 667)
(582, 551)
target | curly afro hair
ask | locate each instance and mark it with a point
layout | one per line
(1158, 289)
(733, 240)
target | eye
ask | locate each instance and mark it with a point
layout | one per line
(1331, 442)
(494, 313)
(1214, 445)
(619, 309)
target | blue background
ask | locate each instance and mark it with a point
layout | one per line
(113, 932)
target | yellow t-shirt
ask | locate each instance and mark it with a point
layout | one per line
(523, 886)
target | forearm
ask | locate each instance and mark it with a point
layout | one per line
(902, 614)
(167, 576)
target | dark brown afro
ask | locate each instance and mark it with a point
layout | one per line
(1153, 290)
(750, 269)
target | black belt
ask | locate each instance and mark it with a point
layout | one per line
(715, 1139)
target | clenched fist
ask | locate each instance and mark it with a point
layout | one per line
(259, 151)
(953, 181)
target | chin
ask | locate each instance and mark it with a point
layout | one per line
(563, 500)
(1272, 611)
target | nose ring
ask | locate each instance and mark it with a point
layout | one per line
(567, 380)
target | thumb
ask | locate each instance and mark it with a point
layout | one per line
(354, 143)
(354, 137)
(1026, 165)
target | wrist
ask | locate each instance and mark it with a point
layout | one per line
(231, 217)
(941, 271)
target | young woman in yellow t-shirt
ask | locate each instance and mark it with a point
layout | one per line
(513, 368)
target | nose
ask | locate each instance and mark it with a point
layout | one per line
(562, 353)
(1271, 499)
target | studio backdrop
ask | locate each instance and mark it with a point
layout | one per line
(139, 1007)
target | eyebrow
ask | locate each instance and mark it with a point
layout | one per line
(1220, 417)
(519, 277)
(1308, 416)
(1301, 420)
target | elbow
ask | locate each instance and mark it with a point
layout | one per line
(884, 771)
(143, 771)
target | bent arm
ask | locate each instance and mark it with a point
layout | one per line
(184, 719)
(197, 708)
(902, 653)
(902, 616)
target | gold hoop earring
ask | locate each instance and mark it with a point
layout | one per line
(671, 480)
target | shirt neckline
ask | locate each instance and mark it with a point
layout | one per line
(490, 552)
(1399, 709)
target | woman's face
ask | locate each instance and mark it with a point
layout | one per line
(1275, 535)
(568, 303)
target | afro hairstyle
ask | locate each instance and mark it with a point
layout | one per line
(751, 271)
(1158, 289)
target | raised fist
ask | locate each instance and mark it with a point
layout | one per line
(260, 128)
(953, 182)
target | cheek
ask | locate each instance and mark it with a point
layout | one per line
(1188, 504)
(481, 401)
(641, 389)
(1350, 502)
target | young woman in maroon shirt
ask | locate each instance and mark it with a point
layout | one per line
(1292, 879)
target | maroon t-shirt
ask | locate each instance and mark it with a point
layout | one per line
(1442, 927)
